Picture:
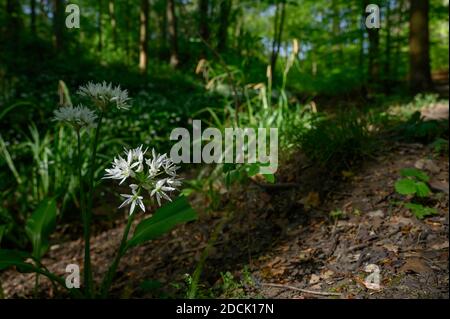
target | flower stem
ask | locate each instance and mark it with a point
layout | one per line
(107, 281)
(88, 282)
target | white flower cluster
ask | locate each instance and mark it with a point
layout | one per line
(79, 116)
(104, 94)
(156, 174)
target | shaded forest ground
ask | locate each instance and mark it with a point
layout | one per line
(285, 236)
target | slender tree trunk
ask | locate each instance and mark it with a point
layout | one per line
(112, 17)
(33, 17)
(238, 32)
(387, 57)
(361, 48)
(128, 29)
(419, 53)
(374, 56)
(222, 33)
(278, 31)
(13, 21)
(336, 30)
(58, 24)
(99, 26)
(143, 36)
(173, 32)
(203, 28)
(400, 12)
(163, 37)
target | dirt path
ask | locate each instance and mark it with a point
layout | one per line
(286, 237)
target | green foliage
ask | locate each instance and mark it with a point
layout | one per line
(415, 129)
(40, 225)
(9, 258)
(405, 187)
(165, 218)
(337, 214)
(338, 142)
(414, 172)
(440, 146)
(413, 184)
(421, 211)
(231, 287)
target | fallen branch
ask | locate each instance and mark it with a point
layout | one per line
(275, 186)
(321, 293)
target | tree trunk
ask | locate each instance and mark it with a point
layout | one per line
(58, 24)
(99, 26)
(13, 19)
(203, 7)
(33, 17)
(278, 31)
(387, 57)
(419, 53)
(398, 40)
(336, 30)
(173, 33)
(222, 33)
(143, 36)
(163, 37)
(374, 57)
(112, 17)
(361, 47)
(128, 29)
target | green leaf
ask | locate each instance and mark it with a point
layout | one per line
(227, 167)
(405, 186)
(422, 189)
(270, 178)
(252, 169)
(421, 211)
(10, 258)
(40, 225)
(167, 217)
(414, 172)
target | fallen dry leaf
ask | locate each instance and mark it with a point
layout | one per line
(439, 186)
(415, 265)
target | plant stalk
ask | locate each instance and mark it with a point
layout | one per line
(88, 281)
(107, 281)
(87, 261)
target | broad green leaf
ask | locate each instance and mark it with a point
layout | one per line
(10, 258)
(167, 217)
(421, 211)
(40, 225)
(422, 189)
(405, 186)
(414, 172)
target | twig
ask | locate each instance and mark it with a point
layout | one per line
(321, 293)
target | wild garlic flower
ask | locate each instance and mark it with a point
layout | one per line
(155, 174)
(121, 169)
(133, 199)
(78, 117)
(104, 95)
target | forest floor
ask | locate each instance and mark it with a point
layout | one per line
(279, 241)
(283, 238)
